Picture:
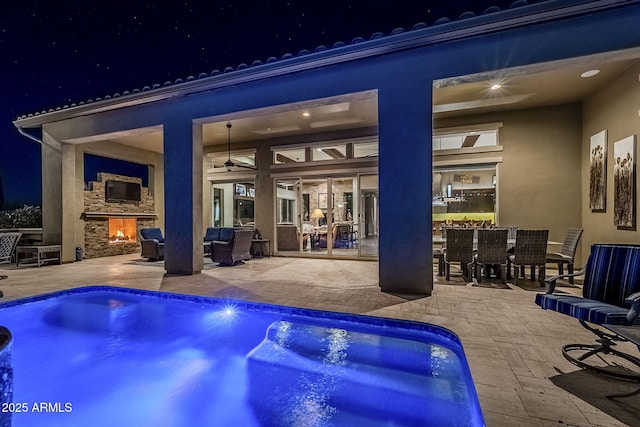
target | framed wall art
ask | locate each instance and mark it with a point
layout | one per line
(624, 183)
(598, 172)
(322, 200)
(241, 190)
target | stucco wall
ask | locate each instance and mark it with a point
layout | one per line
(616, 109)
(539, 177)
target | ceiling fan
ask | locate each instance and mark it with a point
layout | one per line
(229, 164)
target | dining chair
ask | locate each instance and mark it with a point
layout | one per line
(567, 253)
(511, 236)
(439, 250)
(491, 251)
(459, 248)
(530, 249)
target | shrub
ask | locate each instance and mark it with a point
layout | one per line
(24, 217)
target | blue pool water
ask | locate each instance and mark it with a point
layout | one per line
(102, 356)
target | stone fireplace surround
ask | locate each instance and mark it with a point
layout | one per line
(97, 212)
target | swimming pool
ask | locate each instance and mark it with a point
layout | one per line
(104, 356)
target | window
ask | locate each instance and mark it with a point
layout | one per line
(330, 152)
(245, 158)
(366, 149)
(289, 156)
(464, 196)
(286, 211)
(469, 139)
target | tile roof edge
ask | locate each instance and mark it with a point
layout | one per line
(420, 35)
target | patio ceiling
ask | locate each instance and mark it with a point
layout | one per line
(524, 87)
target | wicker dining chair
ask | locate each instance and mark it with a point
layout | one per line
(492, 251)
(459, 248)
(530, 249)
(568, 252)
(439, 250)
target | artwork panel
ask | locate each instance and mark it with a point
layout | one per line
(624, 177)
(598, 172)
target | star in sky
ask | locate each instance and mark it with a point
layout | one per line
(59, 53)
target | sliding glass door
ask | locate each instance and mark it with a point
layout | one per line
(368, 217)
(326, 216)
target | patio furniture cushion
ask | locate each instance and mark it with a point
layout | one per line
(152, 233)
(611, 275)
(213, 233)
(610, 300)
(226, 234)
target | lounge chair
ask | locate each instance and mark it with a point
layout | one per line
(8, 243)
(234, 250)
(152, 243)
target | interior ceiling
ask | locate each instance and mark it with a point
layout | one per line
(524, 87)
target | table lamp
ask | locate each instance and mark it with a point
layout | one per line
(317, 214)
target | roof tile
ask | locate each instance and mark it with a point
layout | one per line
(286, 56)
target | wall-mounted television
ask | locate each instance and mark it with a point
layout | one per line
(120, 191)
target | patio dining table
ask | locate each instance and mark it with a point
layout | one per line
(439, 240)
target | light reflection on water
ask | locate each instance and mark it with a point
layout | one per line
(310, 405)
(164, 363)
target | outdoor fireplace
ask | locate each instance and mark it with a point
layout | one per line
(111, 221)
(122, 230)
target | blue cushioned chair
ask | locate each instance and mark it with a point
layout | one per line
(152, 243)
(213, 233)
(610, 296)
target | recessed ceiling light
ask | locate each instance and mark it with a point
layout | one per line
(590, 73)
(306, 114)
(496, 86)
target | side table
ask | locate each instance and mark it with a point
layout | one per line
(258, 245)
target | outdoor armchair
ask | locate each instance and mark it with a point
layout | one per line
(235, 250)
(152, 243)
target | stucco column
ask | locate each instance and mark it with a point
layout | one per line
(183, 250)
(51, 189)
(405, 163)
(59, 190)
(264, 194)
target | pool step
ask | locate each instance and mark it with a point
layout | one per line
(301, 371)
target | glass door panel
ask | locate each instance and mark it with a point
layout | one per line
(315, 219)
(328, 216)
(344, 228)
(288, 215)
(367, 228)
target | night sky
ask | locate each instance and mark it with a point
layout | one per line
(58, 53)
